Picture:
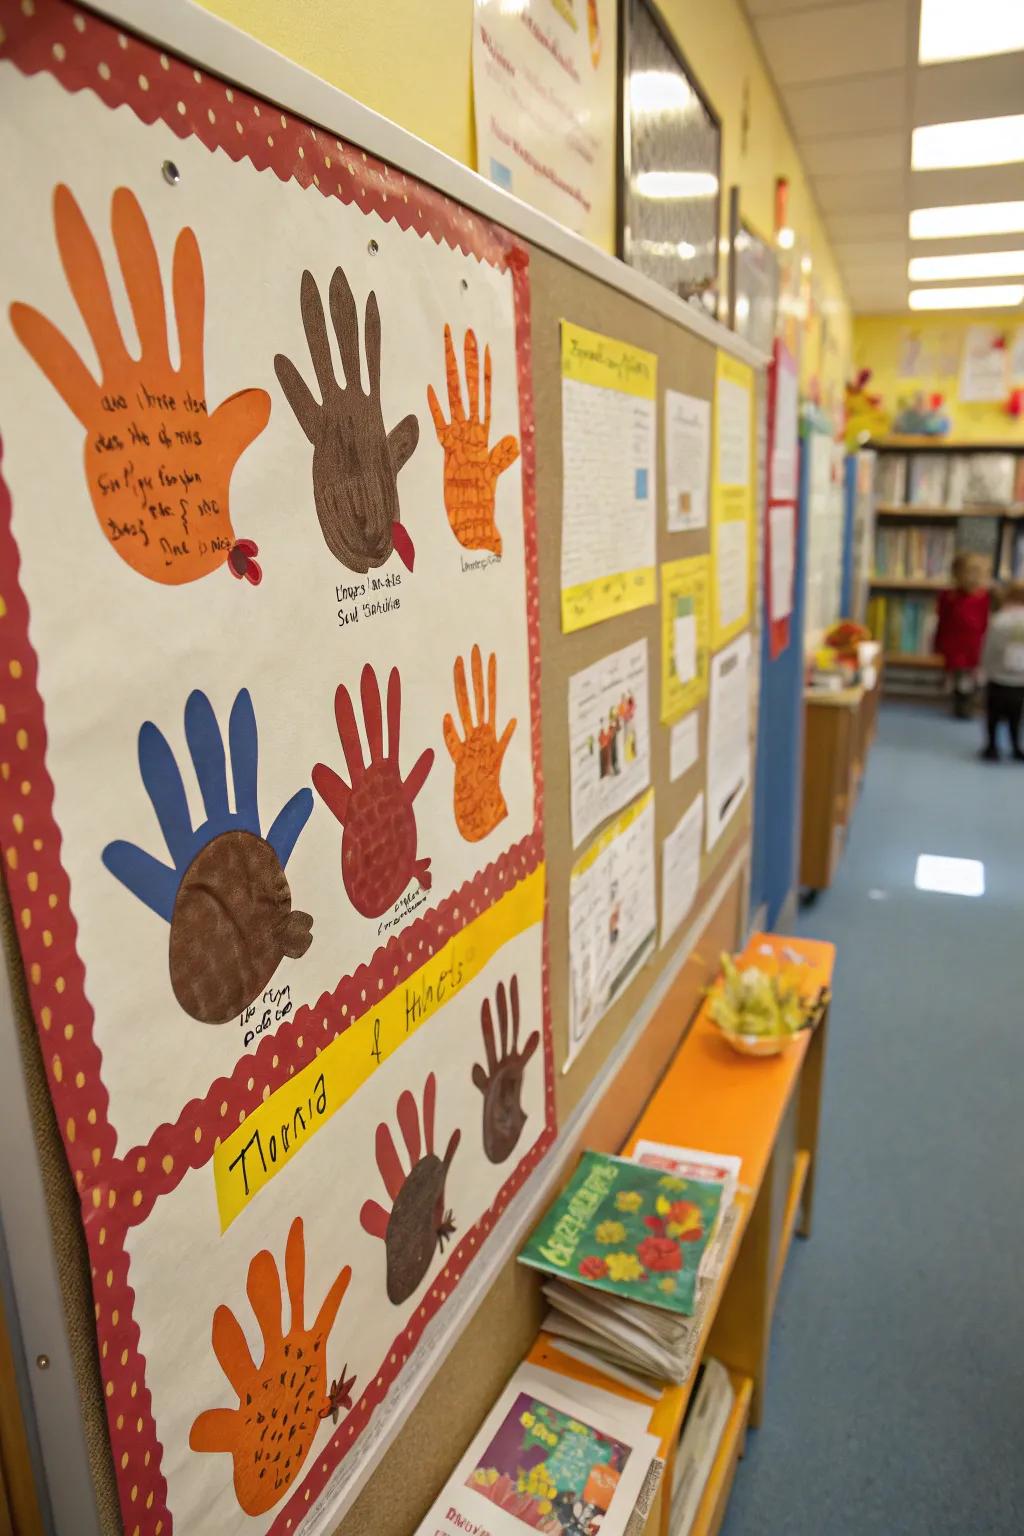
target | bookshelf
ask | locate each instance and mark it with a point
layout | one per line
(934, 497)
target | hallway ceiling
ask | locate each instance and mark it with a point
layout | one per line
(850, 84)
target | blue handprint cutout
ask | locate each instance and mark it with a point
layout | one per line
(225, 894)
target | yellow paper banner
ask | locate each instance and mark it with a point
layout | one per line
(590, 358)
(247, 1160)
(732, 500)
(685, 635)
(593, 601)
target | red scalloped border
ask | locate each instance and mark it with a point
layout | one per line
(84, 52)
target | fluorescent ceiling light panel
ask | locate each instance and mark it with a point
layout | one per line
(978, 141)
(963, 219)
(951, 877)
(652, 91)
(932, 269)
(670, 184)
(969, 29)
(992, 296)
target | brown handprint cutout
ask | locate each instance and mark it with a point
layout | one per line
(417, 1223)
(471, 469)
(282, 1400)
(378, 846)
(157, 465)
(502, 1083)
(479, 802)
(355, 462)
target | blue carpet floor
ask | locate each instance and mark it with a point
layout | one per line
(895, 1401)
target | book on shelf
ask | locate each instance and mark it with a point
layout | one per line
(706, 1417)
(891, 479)
(633, 1250)
(957, 468)
(553, 1454)
(914, 553)
(991, 478)
(905, 625)
(926, 481)
(1018, 480)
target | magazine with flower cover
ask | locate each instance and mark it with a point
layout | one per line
(636, 1232)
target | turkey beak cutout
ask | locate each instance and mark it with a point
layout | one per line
(403, 545)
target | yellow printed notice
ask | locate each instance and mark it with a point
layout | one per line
(685, 635)
(732, 500)
(609, 400)
(247, 1160)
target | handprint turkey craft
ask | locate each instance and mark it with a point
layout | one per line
(157, 463)
(225, 894)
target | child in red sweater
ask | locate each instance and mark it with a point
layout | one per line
(960, 632)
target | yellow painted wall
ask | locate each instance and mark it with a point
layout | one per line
(879, 344)
(411, 60)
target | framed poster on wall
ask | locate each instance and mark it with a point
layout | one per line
(669, 191)
(753, 281)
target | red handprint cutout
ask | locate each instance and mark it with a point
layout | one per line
(282, 1400)
(418, 1222)
(478, 754)
(157, 465)
(378, 846)
(502, 1083)
(471, 469)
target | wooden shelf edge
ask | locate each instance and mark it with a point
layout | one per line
(908, 583)
(978, 509)
(797, 1180)
(949, 444)
(711, 1509)
(927, 663)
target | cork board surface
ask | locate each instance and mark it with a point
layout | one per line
(504, 1325)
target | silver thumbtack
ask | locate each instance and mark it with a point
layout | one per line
(171, 173)
(43, 1362)
(373, 247)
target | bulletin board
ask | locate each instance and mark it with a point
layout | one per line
(289, 915)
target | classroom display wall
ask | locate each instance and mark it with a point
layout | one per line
(245, 1111)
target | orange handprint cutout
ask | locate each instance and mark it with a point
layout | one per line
(471, 469)
(479, 802)
(157, 464)
(282, 1400)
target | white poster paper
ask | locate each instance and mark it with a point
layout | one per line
(732, 571)
(612, 918)
(544, 86)
(785, 432)
(609, 737)
(984, 370)
(782, 525)
(680, 868)
(728, 735)
(684, 647)
(687, 460)
(682, 746)
(733, 433)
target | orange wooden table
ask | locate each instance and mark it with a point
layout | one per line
(767, 1111)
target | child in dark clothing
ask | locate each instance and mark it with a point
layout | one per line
(960, 632)
(1003, 661)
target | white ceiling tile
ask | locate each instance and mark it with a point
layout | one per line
(848, 106)
(977, 184)
(852, 227)
(836, 40)
(883, 255)
(855, 152)
(881, 193)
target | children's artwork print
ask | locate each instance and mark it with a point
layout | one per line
(501, 1080)
(355, 461)
(378, 846)
(273, 844)
(609, 737)
(225, 895)
(471, 466)
(418, 1223)
(157, 463)
(282, 1400)
(685, 635)
(550, 1470)
(478, 753)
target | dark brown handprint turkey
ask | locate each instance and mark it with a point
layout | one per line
(355, 461)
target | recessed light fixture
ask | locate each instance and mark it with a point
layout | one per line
(931, 269)
(979, 141)
(954, 29)
(951, 877)
(992, 296)
(653, 91)
(669, 184)
(963, 219)
(785, 238)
